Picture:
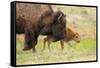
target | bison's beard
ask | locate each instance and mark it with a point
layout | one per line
(57, 32)
(46, 31)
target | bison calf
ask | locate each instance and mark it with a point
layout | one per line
(70, 35)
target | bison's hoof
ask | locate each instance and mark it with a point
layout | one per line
(25, 49)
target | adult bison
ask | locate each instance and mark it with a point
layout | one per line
(35, 19)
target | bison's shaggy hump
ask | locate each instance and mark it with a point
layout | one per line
(31, 13)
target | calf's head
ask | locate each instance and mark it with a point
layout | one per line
(76, 37)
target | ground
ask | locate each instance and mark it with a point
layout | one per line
(84, 51)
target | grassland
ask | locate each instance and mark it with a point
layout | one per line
(85, 51)
(79, 19)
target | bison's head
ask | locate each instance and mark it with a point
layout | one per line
(59, 18)
(59, 25)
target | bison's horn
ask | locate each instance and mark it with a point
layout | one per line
(59, 17)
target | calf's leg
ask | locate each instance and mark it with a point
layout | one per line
(44, 42)
(49, 42)
(62, 44)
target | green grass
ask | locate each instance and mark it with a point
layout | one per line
(85, 51)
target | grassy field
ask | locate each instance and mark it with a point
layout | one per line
(85, 51)
(79, 19)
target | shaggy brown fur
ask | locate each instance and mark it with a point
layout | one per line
(32, 19)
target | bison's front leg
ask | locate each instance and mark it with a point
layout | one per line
(28, 43)
(34, 37)
(31, 39)
(34, 44)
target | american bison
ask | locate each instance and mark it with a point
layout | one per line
(70, 35)
(35, 19)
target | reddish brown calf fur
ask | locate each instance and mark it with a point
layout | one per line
(70, 35)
